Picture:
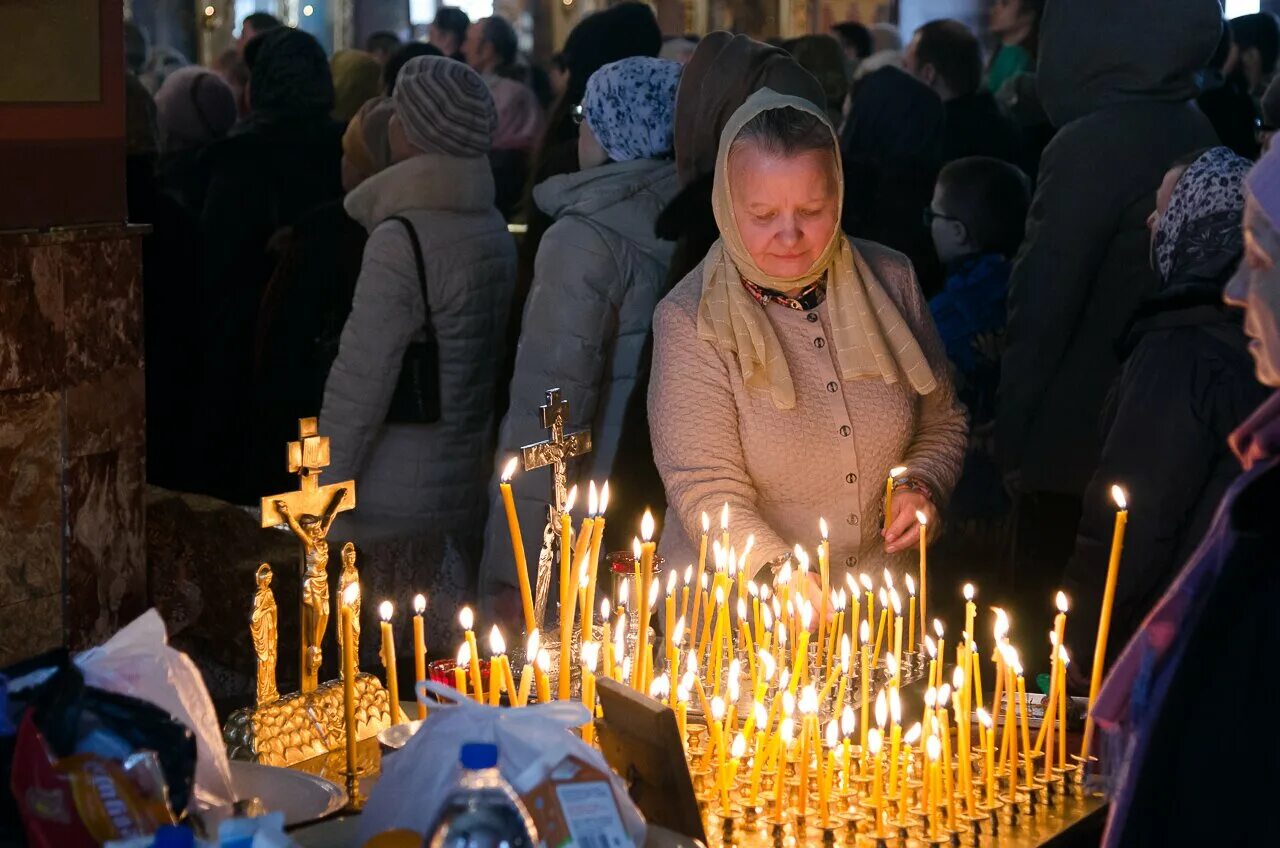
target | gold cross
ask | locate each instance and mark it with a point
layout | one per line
(557, 450)
(306, 458)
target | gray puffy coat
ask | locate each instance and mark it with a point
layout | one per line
(424, 472)
(599, 273)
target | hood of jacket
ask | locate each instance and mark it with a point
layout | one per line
(429, 181)
(1100, 53)
(624, 196)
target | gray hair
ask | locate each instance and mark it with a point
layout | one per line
(786, 131)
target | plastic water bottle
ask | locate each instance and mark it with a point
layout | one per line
(482, 811)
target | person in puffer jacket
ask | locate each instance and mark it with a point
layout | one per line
(598, 275)
(425, 475)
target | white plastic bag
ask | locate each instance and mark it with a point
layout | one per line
(416, 779)
(138, 662)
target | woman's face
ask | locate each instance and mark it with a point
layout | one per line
(1008, 16)
(785, 206)
(1256, 289)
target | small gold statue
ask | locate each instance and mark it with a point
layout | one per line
(350, 575)
(311, 531)
(263, 627)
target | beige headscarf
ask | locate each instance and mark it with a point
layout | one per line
(871, 339)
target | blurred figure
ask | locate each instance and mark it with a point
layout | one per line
(194, 108)
(945, 55)
(280, 162)
(1016, 26)
(380, 45)
(1124, 114)
(1225, 101)
(1186, 383)
(1254, 50)
(230, 65)
(558, 75)
(308, 299)
(822, 56)
(678, 50)
(449, 30)
(855, 40)
(1175, 671)
(976, 218)
(886, 50)
(403, 54)
(490, 49)
(357, 78)
(162, 62)
(600, 273)
(254, 25)
(892, 148)
(409, 400)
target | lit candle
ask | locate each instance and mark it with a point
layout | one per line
(933, 750)
(736, 752)
(865, 677)
(598, 507)
(877, 796)
(567, 596)
(871, 600)
(540, 668)
(748, 644)
(848, 723)
(682, 712)
(497, 653)
(785, 733)
(349, 597)
(824, 576)
(669, 620)
(911, 737)
(468, 620)
(911, 613)
(698, 599)
(1104, 619)
(888, 494)
(715, 727)
(895, 736)
(389, 660)
(647, 549)
(590, 655)
(684, 593)
(517, 544)
(896, 603)
(808, 719)
(1026, 731)
(942, 646)
(724, 527)
(800, 664)
(526, 672)
(989, 774)
(824, 775)
(460, 668)
(924, 565)
(646, 656)
(970, 608)
(620, 646)
(1063, 661)
(419, 650)
(1059, 627)
(884, 618)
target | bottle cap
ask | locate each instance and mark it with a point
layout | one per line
(478, 755)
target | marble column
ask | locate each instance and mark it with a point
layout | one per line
(72, 567)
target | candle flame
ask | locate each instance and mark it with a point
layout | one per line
(593, 500)
(882, 709)
(466, 618)
(706, 524)
(544, 660)
(784, 678)
(739, 747)
(464, 654)
(767, 664)
(809, 700)
(742, 610)
(531, 646)
(671, 583)
(620, 635)
(1001, 628)
(888, 578)
(1053, 642)
(931, 697)
(833, 733)
(646, 526)
(509, 470)
(913, 734)
(788, 701)
(654, 588)
(688, 574)
(787, 730)
(895, 473)
(626, 668)
(1061, 601)
(691, 665)
(931, 647)
(384, 610)
(591, 655)
(677, 635)
(873, 741)
(922, 518)
(351, 594)
(944, 694)
(724, 517)
(957, 678)
(983, 718)
(604, 610)
(911, 585)
(802, 558)
(497, 645)
(604, 498)
(865, 581)
(584, 577)
(937, 627)
(848, 722)
(933, 746)
(624, 594)
(1062, 655)
(766, 616)
(719, 595)
(822, 529)
(571, 500)
(752, 589)
(968, 591)
(1118, 495)
(806, 615)
(884, 597)
(852, 584)
(784, 575)
(717, 708)
(682, 691)
(746, 549)
(761, 713)
(733, 690)
(846, 648)
(895, 601)
(890, 665)
(659, 687)
(864, 632)
(419, 603)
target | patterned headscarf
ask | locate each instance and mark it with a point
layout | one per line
(629, 106)
(1199, 234)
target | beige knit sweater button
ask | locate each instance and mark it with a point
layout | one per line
(715, 441)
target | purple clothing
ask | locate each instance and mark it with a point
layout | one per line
(1137, 690)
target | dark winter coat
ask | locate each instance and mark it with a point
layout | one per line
(1125, 113)
(977, 127)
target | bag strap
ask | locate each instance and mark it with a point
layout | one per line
(422, 269)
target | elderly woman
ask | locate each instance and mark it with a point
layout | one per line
(794, 368)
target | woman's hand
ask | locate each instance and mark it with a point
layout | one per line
(904, 530)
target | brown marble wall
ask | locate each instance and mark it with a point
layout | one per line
(72, 567)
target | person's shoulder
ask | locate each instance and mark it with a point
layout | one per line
(891, 266)
(681, 303)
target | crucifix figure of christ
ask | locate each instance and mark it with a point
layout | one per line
(555, 452)
(309, 512)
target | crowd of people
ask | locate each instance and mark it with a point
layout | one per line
(760, 273)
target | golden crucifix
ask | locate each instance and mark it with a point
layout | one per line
(309, 512)
(555, 452)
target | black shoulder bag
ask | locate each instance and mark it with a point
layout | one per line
(417, 395)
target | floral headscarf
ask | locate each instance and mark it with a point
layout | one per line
(629, 106)
(1199, 235)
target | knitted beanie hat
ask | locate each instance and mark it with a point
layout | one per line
(1264, 185)
(195, 106)
(629, 106)
(445, 107)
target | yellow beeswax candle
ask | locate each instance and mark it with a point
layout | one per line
(1104, 619)
(419, 650)
(924, 565)
(517, 544)
(467, 619)
(460, 668)
(349, 597)
(389, 660)
(542, 680)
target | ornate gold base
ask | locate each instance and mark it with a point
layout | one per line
(305, 724)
